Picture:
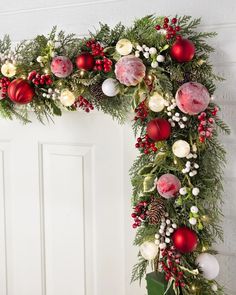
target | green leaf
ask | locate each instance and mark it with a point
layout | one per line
(145, 169)
(149, 184)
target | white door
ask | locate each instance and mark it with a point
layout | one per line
(61, 202)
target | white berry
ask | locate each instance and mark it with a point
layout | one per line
(157, 236)
(195, 191)
(160, 58)
(146, 55)
(154, 64)
(185, 119)
(183, 191)
(152, 50)
(167, 240)
(174, 225)
(192, 221)
(194, 209)
(139, 48)
(137, 53)
(162, 246)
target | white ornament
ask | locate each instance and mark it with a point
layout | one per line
(160, 58)
(152, 51)
(183, 191)
(195, 191)
(181, 148)
(8, 70)
(124, 47)
(192, 221)
(194, 209)
(214, 288)
(67, 98)
(149, 250)
(209, 265)
(156, 102)
(110, 87)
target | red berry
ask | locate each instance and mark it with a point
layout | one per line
(165, 26)
(177, 28)
(178, 37)
(174, 20)
(134, 225)
(168, 36)
(166, 20)
(157, 27)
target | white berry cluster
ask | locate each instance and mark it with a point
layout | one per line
(52, 93)
(193, 215)
(184, 190)
(162, 238)
(43, 59)
(9, 56)
(175, 117)
(191, 166)
(150, 53)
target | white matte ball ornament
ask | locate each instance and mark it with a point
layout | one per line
(67, 98)
(124, 47)
(149, 250)
(110, 87)
(209, 265)
(8, 70)
(181, 148)
(156, 102)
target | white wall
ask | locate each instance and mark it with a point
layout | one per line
(26, 18)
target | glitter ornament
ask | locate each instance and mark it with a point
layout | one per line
(209, 265)
(67, 98)
(149, 250)
(110, 87)
(181, 148)
(156, 102)
(8, 70)
(192, 98)
(61, 66)
(168, 186)
(124, 47)
(130, 70)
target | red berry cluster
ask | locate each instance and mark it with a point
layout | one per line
(84, 104)
(206, 125)
(172, 28)
(140, 213)
(170, 264)
(146, 144)
(4, 82)
(141, 112)
(38, 79)
(102, 63)
(97, 49)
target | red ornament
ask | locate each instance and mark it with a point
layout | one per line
(158, 129)
(85, 61)
(20, 91)
(185, 239)
(183, 50)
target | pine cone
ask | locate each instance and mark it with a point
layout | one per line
(96, 91)
(156, 210)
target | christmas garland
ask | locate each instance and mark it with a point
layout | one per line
(160, 68)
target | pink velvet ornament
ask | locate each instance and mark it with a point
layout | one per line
(168, 186)
(61, 66)
(130, 70)
(192, 98)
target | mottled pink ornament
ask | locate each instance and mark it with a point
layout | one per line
(168, 186)
(130, 70)
(192, 98)
(61, 66)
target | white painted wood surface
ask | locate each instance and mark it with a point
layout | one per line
(29, 233)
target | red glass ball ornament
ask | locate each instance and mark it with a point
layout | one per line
(85, 61)
(20, 91)
(158, 129)
(182, 50)
(185, 239)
